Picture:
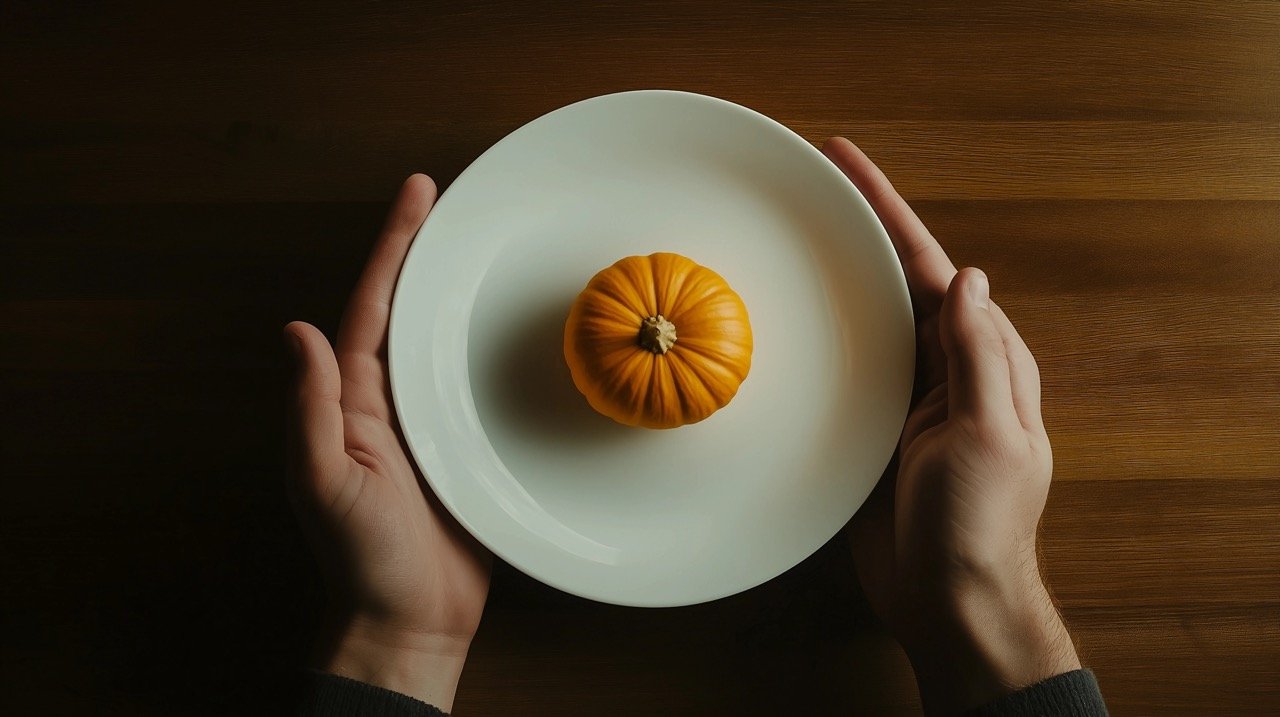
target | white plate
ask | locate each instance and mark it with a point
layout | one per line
(628, 515)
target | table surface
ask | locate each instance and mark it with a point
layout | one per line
(178, 184)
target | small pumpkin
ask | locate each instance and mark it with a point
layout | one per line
(658, 341)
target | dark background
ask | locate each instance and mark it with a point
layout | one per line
(176, 183)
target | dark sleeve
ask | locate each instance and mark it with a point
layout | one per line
(1071, 694)
(322, 695)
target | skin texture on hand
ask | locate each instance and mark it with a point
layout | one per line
(408, 584)
(946, 545)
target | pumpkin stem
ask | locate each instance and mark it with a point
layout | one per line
(657, 334)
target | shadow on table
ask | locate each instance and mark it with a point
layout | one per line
(803, 643)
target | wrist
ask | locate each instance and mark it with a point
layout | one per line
(422, 665)
(990, 637)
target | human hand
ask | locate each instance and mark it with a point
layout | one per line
(407, 582)
(946, 548)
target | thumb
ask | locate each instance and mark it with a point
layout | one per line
(317, 452)
(978, 382)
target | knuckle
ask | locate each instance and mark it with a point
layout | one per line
(1024, 359)
(995, 438)
(987, 342)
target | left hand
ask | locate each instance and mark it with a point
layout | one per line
(408, 583)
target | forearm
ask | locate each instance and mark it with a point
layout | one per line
(992, 639)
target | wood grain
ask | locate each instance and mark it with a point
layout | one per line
(928, 159)
(178, 183)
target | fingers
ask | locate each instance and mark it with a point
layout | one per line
(1024, 373)
(978, 383)
(364, 325)
(316, 437)
(928, 413)
(871, 537)
(925, 264)
(363, 335)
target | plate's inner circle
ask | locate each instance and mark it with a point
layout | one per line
(627, 514)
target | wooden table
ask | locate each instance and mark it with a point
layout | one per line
(177, 184)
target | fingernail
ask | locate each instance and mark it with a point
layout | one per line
(980, 290)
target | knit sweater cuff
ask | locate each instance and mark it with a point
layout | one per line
(324, 694)
(1071, 694)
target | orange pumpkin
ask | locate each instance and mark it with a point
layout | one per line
(658, 341)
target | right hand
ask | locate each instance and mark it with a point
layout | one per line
(946, 548)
